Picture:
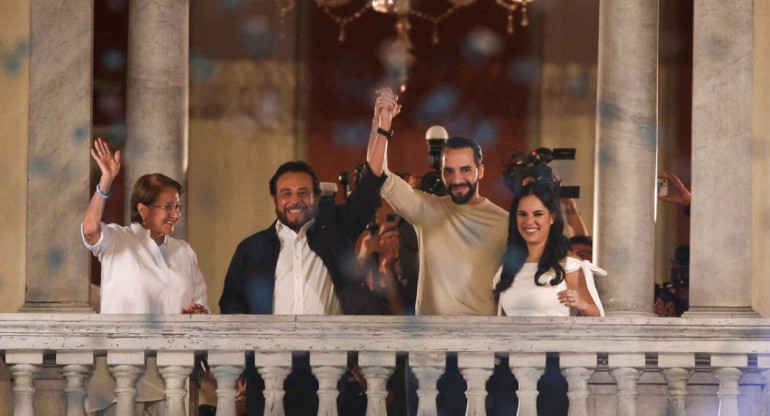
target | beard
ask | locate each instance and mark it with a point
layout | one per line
(462, 198)
(297, 220)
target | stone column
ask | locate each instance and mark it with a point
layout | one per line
(720, 217)
(427, 368)
(226, 366)
(274, 367)
(577, 368)
(24, 366)
(626, 145)
(328, 367)
(527, 368)
(57, 265)
(676, 369)
(125, 366)
(476, 368)
(728, 369)
(175, 367)
(376, 368)
(157, 96)
(626, 370)
(76, 366)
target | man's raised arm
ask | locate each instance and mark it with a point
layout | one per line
(386, 107)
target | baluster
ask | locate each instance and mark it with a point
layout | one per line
(476, 368)
(226, 366)
(626, 370)
(125, 366)
(427, 368)
(676, 369)
(24, 366)
(328, 367)
(175, 367)
(763, 365)
(577, 368)
(376, 367)
(76, 368)
(274, 367)
(728, 369)
(528, 368)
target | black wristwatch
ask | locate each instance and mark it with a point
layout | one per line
(388, 134)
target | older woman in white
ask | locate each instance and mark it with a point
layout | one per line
(144, 269)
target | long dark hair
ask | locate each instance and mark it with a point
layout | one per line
(555, 247)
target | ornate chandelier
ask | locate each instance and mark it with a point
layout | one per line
(399, 53)
(403, 9)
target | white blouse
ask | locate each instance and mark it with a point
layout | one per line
(525, 298)
(139, 276)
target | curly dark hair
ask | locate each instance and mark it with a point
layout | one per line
(296, 166)
(555, 247)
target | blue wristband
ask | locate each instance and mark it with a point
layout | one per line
(101, 194)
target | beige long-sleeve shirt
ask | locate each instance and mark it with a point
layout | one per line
(460, 249)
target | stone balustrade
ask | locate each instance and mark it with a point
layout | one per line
(609, 363)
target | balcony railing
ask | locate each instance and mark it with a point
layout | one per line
(607, 362)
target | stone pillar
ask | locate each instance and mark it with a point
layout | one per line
(175, 367)
(274, 367)
(720, 217)
(626, 145)
(57, 265)
(476, 368)
(728, 369)
(577, 368)
(125, 366)
(527, 368)
(676, 369)
(427, 368)
(376, 368)
(157, 96)
(226, 366)
(76, 366)
(626, 370)
(24, 366)
(328, 367)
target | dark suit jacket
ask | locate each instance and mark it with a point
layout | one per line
(250, 279)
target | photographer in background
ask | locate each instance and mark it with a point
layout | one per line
(379, 255)
(676, 193)
(672, 298)
(525, 168)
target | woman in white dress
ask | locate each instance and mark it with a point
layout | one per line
(540, 277)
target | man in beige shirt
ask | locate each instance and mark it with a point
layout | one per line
(461, 236)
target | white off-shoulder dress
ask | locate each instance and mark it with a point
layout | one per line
(525, 298)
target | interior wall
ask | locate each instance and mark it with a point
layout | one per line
(672, 226)
(567, 113)
(245, 120)
(14, 115)
(761, 163)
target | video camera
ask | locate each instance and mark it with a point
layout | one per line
(535, 165)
